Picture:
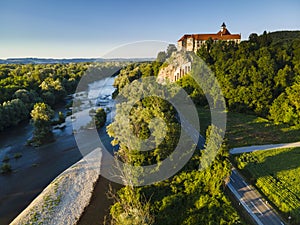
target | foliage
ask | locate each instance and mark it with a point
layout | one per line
(24, 85)
(17, 155)
(61, 119)
(163, 55)
(170, 49)
(5, 168)
(100, 118)
(286, 108)
(276, 174)
(193, 90)
(258, 76)
(141, 121)
(136, 71)
(130, 209)
(192, 196)
(41, 120)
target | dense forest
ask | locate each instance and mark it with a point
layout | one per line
(22, 86)
(260, 76)
(192, 196)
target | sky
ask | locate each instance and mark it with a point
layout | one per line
(93, 28)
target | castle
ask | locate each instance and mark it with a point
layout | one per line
(179, 64)
(192, 42)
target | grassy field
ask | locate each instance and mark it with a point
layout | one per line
(245, 130)
(276, 174)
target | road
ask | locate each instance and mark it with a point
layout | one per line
(192, 132)
(257, 207)
(240, 150)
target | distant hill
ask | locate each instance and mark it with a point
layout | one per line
(279, 36)
(65, 61)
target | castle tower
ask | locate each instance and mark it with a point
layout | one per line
(223, 27)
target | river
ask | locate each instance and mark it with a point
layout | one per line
(39, 166)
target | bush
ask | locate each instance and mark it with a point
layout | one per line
(17, 155)
(6, 168)
(100, 118)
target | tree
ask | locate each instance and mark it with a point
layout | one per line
(100, 118)
(41, 120)
(253, 38)
(161, 57)
(171, 48)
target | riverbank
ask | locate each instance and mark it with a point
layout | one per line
(38, 166)
(99, 207)
(34, 170)
(67, 196)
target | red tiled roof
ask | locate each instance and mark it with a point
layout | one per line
(224, 32)
(225, 35)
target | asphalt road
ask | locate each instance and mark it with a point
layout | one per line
(249, 198)
(192, 132)
(252, 201)
(240, 150)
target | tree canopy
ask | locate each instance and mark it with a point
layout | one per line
(42, 115)
(258, 76)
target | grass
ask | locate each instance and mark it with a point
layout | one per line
(244, 130)
(276, 174)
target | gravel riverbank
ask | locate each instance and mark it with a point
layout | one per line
(64, 200)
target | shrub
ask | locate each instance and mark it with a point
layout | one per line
(6, 168)
(17, 155)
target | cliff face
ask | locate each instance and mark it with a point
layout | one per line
(178, 65)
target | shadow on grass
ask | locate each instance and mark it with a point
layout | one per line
(245, 130)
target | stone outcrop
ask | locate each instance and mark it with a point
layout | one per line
(178, 65)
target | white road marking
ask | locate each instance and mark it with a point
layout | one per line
(256, 208)
(257, 220)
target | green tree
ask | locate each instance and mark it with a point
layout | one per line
(161, 56)
(41, 120)
(100, 118)
(282, 111)
(171, 48)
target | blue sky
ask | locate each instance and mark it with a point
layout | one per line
(90, 28)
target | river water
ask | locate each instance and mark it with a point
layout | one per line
(39, 166)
